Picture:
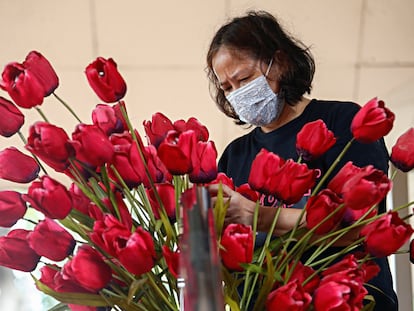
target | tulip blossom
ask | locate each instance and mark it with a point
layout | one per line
(28, 83)
(224, 180)
(22, 86)
(87, 269)
(237, 246)
(366, 188)
(289, 297)
(201, 132)
(17, 167)
(128, 162)
(246, 191)
(109, 119)
(51, 144)
(105, 79)
(372, 121)
(339, 291)
(137, 253)
(91, 145)
(313, 140)
(350, 266)
(386, 235)
(264, 170)
(43, 70)
(402, 153)
(108, 232)
(287, 180)
(175, 152)
(80, 201)
(204, 162)
(49, 197)
(172, 259)
(15, 252)
(319, 207)
(345, 173)
(50, 240)
(52, 277)
(12, 208)
(157, 129)
(166, 194)
(301, 273)
(12, 118)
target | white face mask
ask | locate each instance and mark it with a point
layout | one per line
(256, 103)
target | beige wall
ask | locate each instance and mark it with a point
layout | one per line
(363, 48)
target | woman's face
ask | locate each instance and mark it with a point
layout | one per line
(235, 69)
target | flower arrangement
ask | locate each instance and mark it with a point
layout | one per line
(122, 235)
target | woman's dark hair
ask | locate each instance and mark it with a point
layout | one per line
(260, 35)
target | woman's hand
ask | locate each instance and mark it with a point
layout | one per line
(240, 210)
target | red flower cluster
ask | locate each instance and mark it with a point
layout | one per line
(125, 196)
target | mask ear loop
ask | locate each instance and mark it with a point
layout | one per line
(268, 67)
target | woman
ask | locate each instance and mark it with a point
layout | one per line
(259, 75)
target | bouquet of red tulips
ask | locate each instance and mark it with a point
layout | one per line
(111, 239)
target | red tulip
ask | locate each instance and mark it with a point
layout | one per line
(91, 145)
(386, 235)
(372, 121)
(319, 207)
(166, 193)
(50, 240)
(175, 152)
(137, 253)
(128, 162)
(28, 83)
(301, 273)
(12, 118)
(237, 243)
(345, 173)
(339, 291)
(172, 259)
(156, 168)
(51, 144)
(264, 170)
(43, 196)
(17, 167)
(108, 233)
(12, 208)
(366, 188)
(40, 66)
(201, 132)
(350, 267)
(287, 180)
(22, 85)
(313, 140)
(402, 154)
(204, 162)
(15, 252)
(223, 179)
(88, 269)
(109, 119)
(246, 191)
(105, 80)
(52, 277)
(412, 251)
(80, 201)
(157, 128)
(289, 297)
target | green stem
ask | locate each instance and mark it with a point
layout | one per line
(67, 107)
(42, 114)
(332, 167)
